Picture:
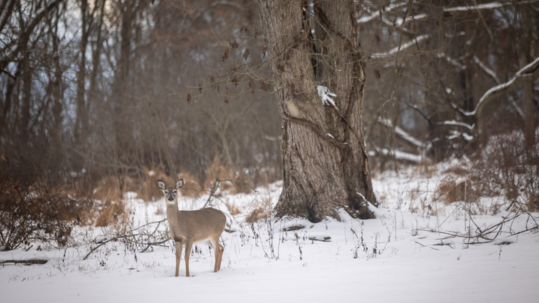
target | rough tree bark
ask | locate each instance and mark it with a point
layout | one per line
(324, 156)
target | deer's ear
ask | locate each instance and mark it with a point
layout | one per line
(179, 184)
(161, 185)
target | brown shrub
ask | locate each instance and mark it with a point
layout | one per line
(233, 208)
(506, 167)
(426, 168)
(112, 213)
(240, 183)
(256, 215)
(261, 210)
(33, 209)
(414, 193)
(218, 171)
(147, 189)
(454, 191)
(108, 188)
(191, 187)
(533, 201)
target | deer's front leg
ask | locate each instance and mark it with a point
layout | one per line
(179, 247)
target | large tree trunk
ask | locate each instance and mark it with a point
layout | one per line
(324, 156)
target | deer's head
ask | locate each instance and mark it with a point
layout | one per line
(171, 193)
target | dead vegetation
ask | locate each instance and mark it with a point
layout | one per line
(112, 213)
(192, 187)
(260, 210)
(504, 167)
(146, 188)
(33, 207)
(452, 190)
(233, 208)
(242, 183)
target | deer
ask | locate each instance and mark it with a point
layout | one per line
(190, 227)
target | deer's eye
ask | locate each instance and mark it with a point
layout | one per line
(175, 191)
(166, 191)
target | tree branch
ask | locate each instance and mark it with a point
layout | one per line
(484, 6)
(530, 71)
(316, 129)
(492, 74)
(444, 123)
(399, 48)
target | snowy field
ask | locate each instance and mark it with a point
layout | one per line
(415, 251)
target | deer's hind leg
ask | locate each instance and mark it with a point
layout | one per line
(188, 246)
(219, 249)
(221, 252)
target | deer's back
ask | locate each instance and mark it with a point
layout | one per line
(200, 224)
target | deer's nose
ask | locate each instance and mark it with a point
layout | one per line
(170, 198)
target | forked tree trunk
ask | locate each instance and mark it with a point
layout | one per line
(325, 159)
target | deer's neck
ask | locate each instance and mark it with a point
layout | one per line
(172, 213)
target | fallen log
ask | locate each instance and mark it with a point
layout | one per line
(27, 262)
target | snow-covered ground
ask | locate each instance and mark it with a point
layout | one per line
(407, 254)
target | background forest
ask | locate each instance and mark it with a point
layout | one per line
(103, 97)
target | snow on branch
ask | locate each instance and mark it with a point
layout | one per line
(398, 21)
(456, 123)
(486, 6)
(448, 10)
(443, 123)
(529, 71)
(487, 70)
(401, 133)
(517, 108)
(375, 15)
(399, 155)
(399, 48)
(455, 134)
(326, 95)
(451, 61)
(492, 74)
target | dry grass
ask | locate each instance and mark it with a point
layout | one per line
(426, 168)
(112, 213)
(147, 189)
(233, 208)
(192, 187)
(261, 210)
(533, 200)
(108, 188)
(414, 193)
(241, 184)
(218, 171)
(256, 215)
(453, 191)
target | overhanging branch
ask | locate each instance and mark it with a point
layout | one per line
(528, 72)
